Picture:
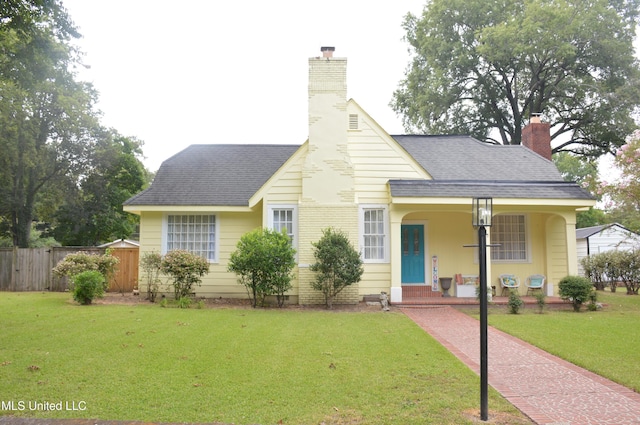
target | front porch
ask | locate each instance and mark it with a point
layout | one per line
(423, 295)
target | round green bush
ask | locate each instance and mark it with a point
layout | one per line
(576, 289)
(87, 286)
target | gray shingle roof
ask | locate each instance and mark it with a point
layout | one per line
(494, 189)
(466, 158)
(225, 175)
(461, 166)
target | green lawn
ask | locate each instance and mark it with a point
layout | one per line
(143, 362)
(606, 341)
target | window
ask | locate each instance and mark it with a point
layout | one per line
(284, 217)
(374, 238)
(510, 232)
(193, 233)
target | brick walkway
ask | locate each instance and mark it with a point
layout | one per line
(546, 388)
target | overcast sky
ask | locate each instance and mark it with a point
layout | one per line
(207, 71)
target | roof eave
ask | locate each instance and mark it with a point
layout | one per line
(139, 209)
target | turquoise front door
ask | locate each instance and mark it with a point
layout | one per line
(412, 253)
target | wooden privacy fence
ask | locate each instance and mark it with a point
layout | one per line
(29, 269)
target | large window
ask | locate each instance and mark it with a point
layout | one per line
(193, 233)
(374, 234)
(510, 232)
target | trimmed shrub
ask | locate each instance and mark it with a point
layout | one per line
(87, 286)
(264, 260)
(151, 263)
(337, 265)
(628, 263)
(541, 301)
(186, 269)
(515, 303)
(611, 267)
(576, 289)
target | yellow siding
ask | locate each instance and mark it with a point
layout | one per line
(558, 257)
(375, 279)
(219, 282)
(285, 187)
(376, 159)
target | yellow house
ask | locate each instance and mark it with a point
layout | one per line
(405, 201)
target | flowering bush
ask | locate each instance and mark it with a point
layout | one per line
(82, 261)
(186, 269)
(624, 193)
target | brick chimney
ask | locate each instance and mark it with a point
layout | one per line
(537, 137)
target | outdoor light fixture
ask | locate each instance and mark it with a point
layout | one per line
(482, 210)
(481, 218)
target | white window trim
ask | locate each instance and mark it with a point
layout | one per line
(165, 230)
(272, 207)
(387, 236)
(527, 236)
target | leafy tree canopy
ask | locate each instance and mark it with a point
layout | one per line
(45, 114)
(92, 212)
(624, 191)
(483, 67)
(57, 163)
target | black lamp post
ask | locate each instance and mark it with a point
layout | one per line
(481, 217)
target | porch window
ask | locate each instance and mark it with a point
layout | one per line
(193, 233)
(284, 217)
(374, 237)
(510, 232)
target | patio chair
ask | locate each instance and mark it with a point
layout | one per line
(508, 282)
(533, 282)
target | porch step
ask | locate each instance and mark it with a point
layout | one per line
(419, 291)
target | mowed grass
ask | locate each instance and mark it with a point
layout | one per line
(606, 341)
(242, 366)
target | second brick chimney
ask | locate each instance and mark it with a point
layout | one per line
(537, 137)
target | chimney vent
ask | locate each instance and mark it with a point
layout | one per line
(535, 118)
(327, 52)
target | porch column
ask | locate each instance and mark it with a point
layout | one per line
(395, 245)
(572, 250)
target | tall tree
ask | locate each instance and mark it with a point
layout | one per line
(584, 171)
(45, 114)
(483, 67)
(624, 190)
(93, 212)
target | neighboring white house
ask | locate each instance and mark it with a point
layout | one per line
(597, 239)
